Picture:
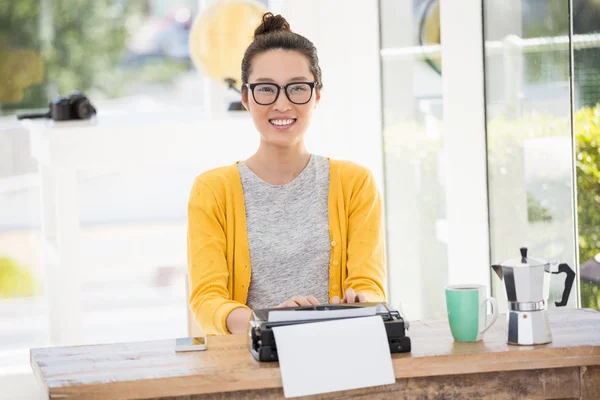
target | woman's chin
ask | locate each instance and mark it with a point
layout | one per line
(283, 143)
(283, 139)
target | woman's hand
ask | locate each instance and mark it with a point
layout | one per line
(349, 297)
(299, 301)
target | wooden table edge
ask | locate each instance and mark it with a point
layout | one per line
(37, 373)
(404, 368)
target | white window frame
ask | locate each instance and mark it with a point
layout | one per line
(466, 145)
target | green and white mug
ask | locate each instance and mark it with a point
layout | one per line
(467, 312)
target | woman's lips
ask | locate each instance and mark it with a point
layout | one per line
(282, 124)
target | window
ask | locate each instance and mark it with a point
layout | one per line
(586, 68)
(127, 56)
(135, 51)
(534, 133)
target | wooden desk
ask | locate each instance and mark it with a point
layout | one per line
(437, 368)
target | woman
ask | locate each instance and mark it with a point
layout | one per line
(285, 227)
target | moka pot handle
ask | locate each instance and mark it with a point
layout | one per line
(568, 283)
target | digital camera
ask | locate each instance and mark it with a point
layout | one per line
(74, 106)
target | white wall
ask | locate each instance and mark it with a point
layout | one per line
(347, 122)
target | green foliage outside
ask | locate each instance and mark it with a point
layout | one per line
(77, 40)
(535, 211)
(587, 129)
(15, 281)
(587, 123)
(78, 45)
(590, 295)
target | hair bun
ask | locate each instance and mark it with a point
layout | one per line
(272, 23)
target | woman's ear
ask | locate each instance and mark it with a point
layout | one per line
(245, 100)
(317, 97)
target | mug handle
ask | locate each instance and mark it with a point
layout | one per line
(494, 313)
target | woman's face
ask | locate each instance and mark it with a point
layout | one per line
(282, 123)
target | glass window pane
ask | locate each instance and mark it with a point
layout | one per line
(23, 309)
(586, 56)
(528, 107)
(133, 50)
(125, 55)
(413, 146)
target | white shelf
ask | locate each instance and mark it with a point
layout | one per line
(116, 141)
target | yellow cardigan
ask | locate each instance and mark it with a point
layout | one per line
(219, 258)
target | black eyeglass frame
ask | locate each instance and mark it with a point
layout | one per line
(251, 86)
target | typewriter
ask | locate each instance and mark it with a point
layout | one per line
(261, 340)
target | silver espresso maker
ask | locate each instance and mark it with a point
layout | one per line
(527, 284)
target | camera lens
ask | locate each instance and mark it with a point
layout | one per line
(84, 109)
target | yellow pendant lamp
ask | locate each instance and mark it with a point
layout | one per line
(219, 37)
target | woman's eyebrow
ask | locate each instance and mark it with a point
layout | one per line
(296, 78)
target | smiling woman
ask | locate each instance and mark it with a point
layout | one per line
(284, 227)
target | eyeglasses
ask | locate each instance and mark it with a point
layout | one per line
(267, 93)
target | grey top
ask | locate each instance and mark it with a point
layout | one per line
(288, 235)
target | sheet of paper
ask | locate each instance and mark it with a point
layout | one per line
(329, 356)
(294, 315)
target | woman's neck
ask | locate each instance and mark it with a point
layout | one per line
(277, 165)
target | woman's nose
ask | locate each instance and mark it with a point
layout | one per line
(282, 103)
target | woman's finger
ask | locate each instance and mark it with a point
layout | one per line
(335, 300)
(312, 300)
(286, 303)
(350, 296)
(361, 297)
(301, 301)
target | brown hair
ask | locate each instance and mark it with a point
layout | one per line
(274, 33)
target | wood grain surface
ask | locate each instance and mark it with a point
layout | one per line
(144, 370)
(562, 383)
